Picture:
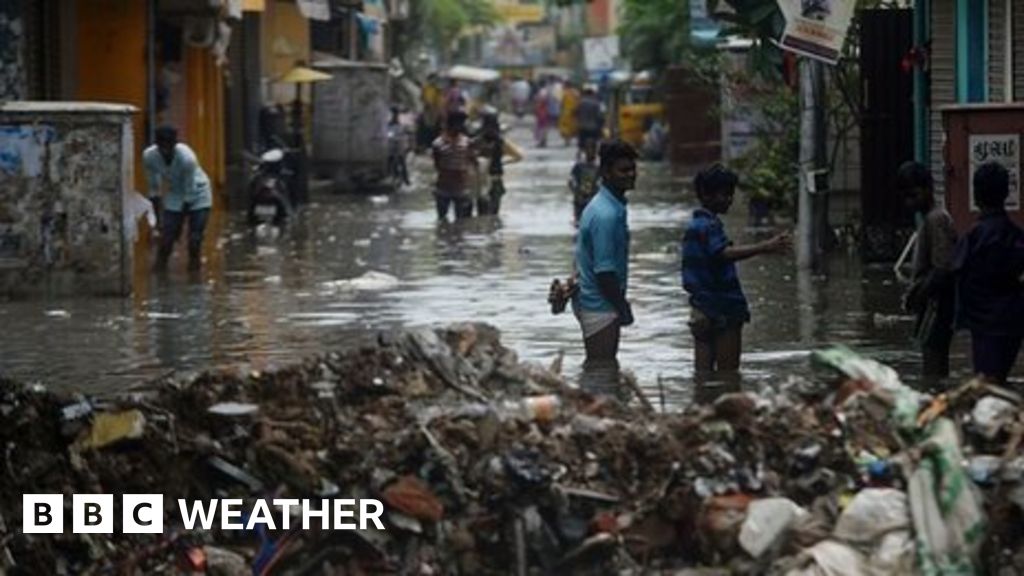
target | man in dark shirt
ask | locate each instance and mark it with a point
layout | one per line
(589, 118)
(931, 294)
(989, 268)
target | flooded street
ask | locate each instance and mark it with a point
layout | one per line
(265, 302)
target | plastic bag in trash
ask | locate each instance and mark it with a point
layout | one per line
(949, 523)
(830, 558)
(766, 522)
(873, 513)
(990, 414)
(895, 555)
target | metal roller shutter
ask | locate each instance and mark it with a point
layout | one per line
(943, 80)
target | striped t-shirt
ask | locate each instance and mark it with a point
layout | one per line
(452, 157)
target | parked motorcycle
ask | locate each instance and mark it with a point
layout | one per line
(269, 200)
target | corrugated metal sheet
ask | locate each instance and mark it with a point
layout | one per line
(943, 80)
(996, 50)
(1018, 50)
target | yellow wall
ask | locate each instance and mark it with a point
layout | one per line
(204, 117)
(285, 40)
(111, 65)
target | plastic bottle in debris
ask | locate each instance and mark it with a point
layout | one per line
(532, 408)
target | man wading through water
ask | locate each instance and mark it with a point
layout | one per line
(453, 158)
(187, 195)
(602, 256)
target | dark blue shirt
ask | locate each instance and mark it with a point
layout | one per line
(988, 264)
(710, 279)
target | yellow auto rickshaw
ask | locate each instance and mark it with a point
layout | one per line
(632, 106)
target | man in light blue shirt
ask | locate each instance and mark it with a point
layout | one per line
(602, 255)
(173, 166)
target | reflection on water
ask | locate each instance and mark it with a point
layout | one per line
(264, 302)
(604, 378)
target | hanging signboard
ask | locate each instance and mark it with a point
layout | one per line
(515, 13)
(1001, 148)
(816, 28)
(600, 54)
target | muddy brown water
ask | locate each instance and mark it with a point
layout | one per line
(267, 302)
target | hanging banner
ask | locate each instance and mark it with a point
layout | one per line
(816, 28)
(315, 9)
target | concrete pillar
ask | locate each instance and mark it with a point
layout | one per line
(66, 174)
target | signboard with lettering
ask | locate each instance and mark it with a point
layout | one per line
(513, 14)
(816, 28)
(1001, 148)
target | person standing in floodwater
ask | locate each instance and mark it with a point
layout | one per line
(494, 148)
(989, 268)
(589, 118)
(719, 308)
(173, 167)
(453, 160)
(931, 295)
(583, 180)
(602, 256)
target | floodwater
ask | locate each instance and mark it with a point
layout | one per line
(267, 302)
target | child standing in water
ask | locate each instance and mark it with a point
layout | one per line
(718, 306)
(583, 181)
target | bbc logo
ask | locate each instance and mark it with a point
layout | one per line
(92, 513)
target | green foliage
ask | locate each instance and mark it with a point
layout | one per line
(770, 169)
(440, 23)
(655, 33)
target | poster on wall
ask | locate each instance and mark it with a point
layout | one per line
(1001, 148)
(816, 28)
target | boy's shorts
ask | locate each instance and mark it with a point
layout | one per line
(704, 328)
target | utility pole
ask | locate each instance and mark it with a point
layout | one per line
(812, 220)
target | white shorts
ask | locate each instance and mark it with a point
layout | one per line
(594, 322)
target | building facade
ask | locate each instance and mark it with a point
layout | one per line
(967, 51)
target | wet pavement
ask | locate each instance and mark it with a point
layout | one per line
(266, 302)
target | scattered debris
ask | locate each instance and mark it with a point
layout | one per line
(486, 465)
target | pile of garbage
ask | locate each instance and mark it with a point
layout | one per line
(486, 465)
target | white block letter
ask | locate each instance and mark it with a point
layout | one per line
(231, 508)
(92, 513)
(364, 512)
(142, 514)
(339, 513)
(188, 517)
(42, 513)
